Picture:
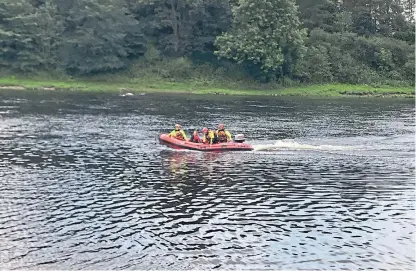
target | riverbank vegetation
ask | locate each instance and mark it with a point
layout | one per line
(217, 46)
(121, 85)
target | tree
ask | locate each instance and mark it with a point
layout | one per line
(100, 36)
(210, 18)
(180, 27)
(168, 23)
(382, 17)
(409, 10)
(29, 36)
(354, 41)
(343, 21)
(315, 66)
(318, 13)
(264, 32)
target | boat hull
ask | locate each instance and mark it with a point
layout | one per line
(181, 144)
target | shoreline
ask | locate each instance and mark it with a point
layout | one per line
(323, 90)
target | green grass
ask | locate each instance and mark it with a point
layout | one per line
(150, 85)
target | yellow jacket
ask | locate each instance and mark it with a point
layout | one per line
(209, 139)
(179, 134)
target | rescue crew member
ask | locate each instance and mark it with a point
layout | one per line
(222, 134)
(195, 137)
(178, 133)
(209, 136)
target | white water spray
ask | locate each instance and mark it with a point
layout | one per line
(293, 145)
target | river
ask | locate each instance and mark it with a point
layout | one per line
(85, 184)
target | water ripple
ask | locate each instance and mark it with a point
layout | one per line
(86, 185)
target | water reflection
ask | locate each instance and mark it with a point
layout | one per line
(179, 163)
(85, 185)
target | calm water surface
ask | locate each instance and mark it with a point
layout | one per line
(84, 184)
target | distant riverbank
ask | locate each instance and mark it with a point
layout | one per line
(137, 86)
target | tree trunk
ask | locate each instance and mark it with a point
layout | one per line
(175, 25)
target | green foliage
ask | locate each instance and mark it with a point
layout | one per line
(315, 67)
(183, 69)
(359, 59)
(343, 21)
(29, 36)
(318, 13)
(117, 84)
(99, 36)
(152, 55)
(210, 19)
(409, 67)
(264, 32)
(206, 42)
(181, 27)
(380, 17)
(171, 22)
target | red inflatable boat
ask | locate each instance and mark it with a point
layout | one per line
(180, 144)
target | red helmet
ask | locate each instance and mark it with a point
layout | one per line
(221, 126)
(205, 130)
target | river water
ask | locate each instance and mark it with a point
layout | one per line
(84, 183)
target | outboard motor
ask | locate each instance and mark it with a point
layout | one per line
(239, 138)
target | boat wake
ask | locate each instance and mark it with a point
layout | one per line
(293, 145)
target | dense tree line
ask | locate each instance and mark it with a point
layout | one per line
(355, 41)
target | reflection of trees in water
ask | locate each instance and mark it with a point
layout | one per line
(191, 178)
(178, 164)
(184, 165)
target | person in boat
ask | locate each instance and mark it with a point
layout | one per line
(195, 137)
(178, 133)
(209, 136)
(222, 134)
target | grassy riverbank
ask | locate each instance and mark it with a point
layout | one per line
(153, 86)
